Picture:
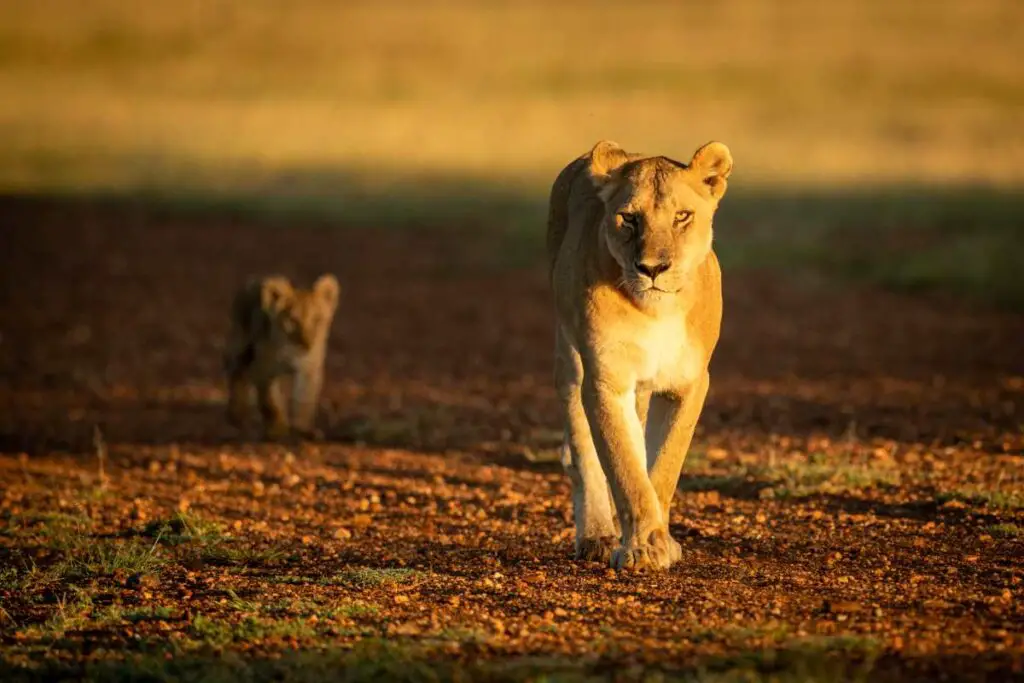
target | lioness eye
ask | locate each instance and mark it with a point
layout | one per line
(683, 217)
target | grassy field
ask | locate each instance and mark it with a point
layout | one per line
(848, 120)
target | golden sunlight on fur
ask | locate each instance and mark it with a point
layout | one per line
(638, 301)
(279, 332)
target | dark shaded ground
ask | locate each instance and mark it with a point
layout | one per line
(855, 498)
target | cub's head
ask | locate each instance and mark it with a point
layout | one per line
(658, 213)
(299, 317)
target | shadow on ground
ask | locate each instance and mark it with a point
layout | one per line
(114, 311)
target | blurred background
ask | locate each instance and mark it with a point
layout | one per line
(877, 138)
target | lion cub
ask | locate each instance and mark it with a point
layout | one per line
(638, 299)
(279, 332)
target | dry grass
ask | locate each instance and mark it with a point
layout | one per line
(803, 92)
(466, 109)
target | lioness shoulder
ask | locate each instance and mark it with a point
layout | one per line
(637, 291)
(278, 331)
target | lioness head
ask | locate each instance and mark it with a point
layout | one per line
(658, 213)
(299, 317)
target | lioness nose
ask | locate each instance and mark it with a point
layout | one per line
(652, 269)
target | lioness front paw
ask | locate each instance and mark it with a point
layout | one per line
(596, 549)
(659, 552)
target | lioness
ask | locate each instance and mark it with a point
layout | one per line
(638, 300)
(278, 331)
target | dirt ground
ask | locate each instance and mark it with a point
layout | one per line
(853, 507)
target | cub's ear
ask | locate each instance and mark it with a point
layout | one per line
(713, 164)
(326, 289)
(606, 158)
(275, 293)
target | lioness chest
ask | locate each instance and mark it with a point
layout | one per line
(654, 353)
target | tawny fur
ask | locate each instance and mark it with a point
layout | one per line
(278, 333)
(638, 302)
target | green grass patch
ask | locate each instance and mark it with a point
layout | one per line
(56, 530)
(1006, 530)
(368, 577)
(27, 578)
(299, 607)
(155, 613)
(229, 554)
(105, 557)
(72, 612)
(185, 527)
(816, 474)
(216, 632)
(307, 608)
(822, 473)
(989, 498)
(205, 541)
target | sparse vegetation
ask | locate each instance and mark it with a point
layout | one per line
(815, 474)
(185, 528)
(1006, 530)
(93, 558)
(825, 473)
(992, 498)
(367, 577)
(72, 612)
(215, 632)
(156, 613)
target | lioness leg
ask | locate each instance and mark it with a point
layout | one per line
(272, 407)
(238, 398)
(596, 537)
(670, 429)
(611, 411)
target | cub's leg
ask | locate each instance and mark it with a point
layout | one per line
(306, 386)
(611, 410)
(272, 407)
(670, 428)
(596, 536)
(237, 362)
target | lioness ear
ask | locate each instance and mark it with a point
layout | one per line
(275, 292)
(605, 159)
(326, 289)
(713, 163)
